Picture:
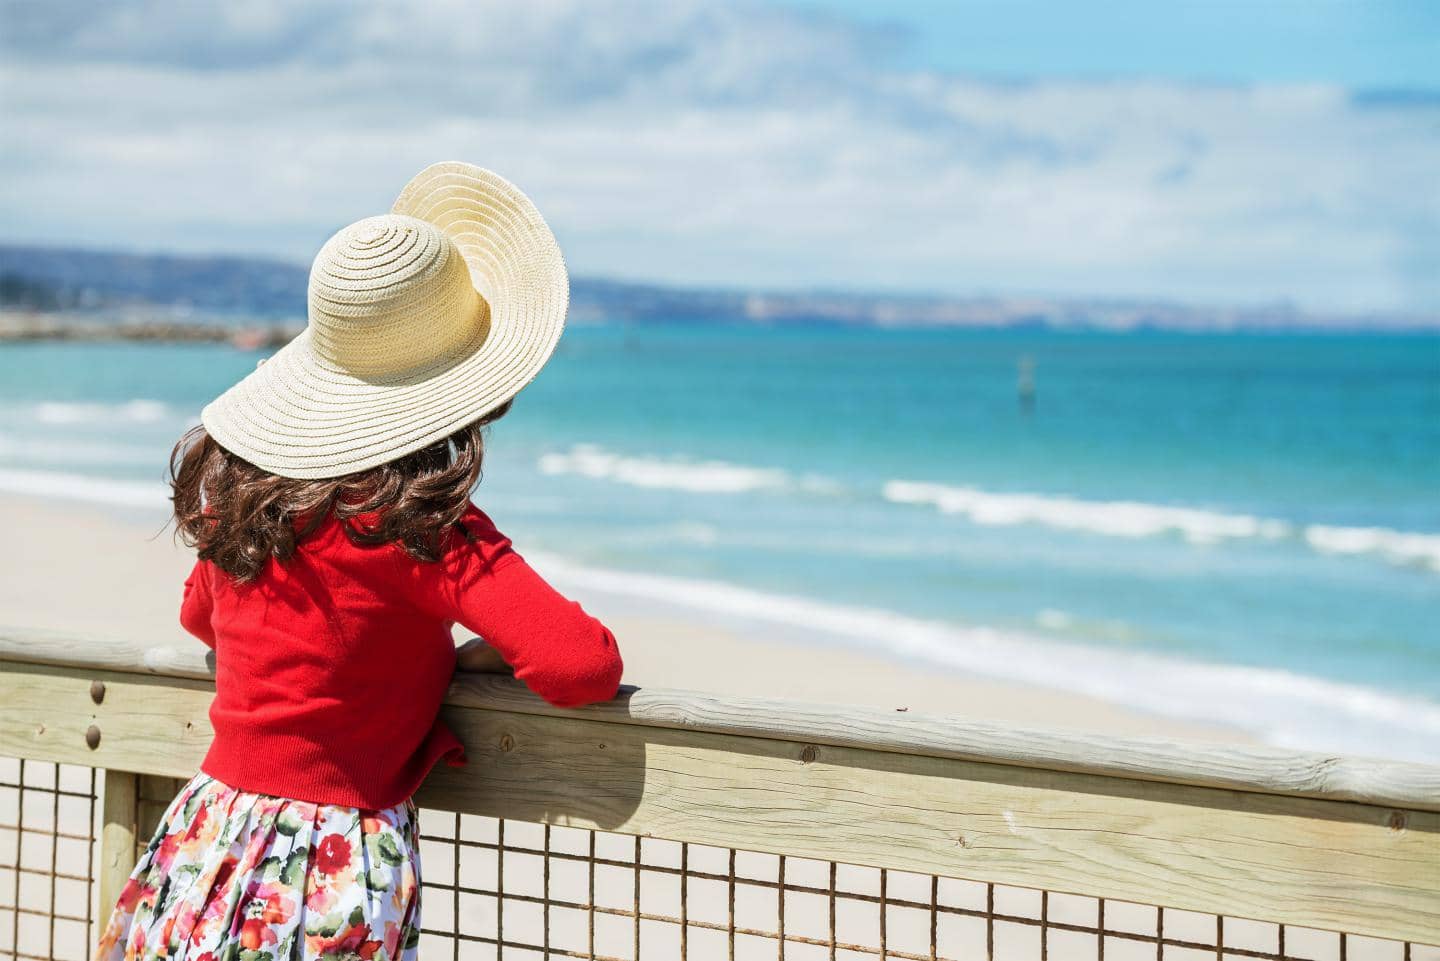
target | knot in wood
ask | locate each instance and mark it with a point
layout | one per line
(1398, 821)
(809, 755)
(507, 743)
(92, 736)
(97, 691)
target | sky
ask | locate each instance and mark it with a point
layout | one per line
(1355, 43)
(1211, 153)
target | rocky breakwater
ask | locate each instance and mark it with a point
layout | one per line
(18, 326)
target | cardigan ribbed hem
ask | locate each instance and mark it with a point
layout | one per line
(302, 770)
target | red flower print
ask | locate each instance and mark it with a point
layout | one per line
(197, 823)
(253, 934)
(354, 938)
(129, 895)
(165, 854)
(222, 874)
(352, 941)
(277, 910)
(333, 854)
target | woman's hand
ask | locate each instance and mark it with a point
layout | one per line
(477, 657)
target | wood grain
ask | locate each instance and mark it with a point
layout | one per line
(117, 838)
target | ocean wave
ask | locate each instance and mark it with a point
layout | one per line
(1136, 519)
(1399, 547)
(56, 450)
(1278, 706)
(136, 411)
(1111, 518)
(79, 487)
(673, 473)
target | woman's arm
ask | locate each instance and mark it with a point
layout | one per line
(197, 604)
(561, 653)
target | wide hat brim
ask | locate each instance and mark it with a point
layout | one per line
(299, 416)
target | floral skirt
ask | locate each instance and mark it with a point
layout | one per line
(235, 876)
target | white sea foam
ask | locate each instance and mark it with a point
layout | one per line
(137, 411)
(1278, 706)
(1111, 518)
(78, 487)
(54, 450)
(1135, 519)
(697, 477)
(1400, 547)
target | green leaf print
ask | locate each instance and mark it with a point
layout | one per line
(252, 954)
(382, 848)
(270, 868)
(232, 951)
(357, 917)
(412, 937)
(325, 926)
(293, 873)
(288, 822)
(389, 850)
(377, 879)
(191, 804)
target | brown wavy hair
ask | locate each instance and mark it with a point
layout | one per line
(240, 516)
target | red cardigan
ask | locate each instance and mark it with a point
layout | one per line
(330, 668)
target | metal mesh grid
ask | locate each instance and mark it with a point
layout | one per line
(48, 828)
(513, 890)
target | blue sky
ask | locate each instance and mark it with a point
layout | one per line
(1217, 153)
(1357, 43)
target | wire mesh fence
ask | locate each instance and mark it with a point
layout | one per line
(511, 891)
(49, 822)
(517, 891)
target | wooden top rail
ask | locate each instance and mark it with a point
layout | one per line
(1241, 767)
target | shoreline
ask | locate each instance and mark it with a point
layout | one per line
(130, 578)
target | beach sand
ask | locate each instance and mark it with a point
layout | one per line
(80, 568)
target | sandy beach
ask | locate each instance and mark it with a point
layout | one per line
(130, 576)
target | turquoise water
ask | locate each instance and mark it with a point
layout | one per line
(1234, 528)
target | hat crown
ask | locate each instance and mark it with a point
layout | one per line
(392, 295)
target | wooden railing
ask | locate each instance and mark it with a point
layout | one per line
(1242, 832)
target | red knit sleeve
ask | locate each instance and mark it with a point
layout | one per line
(561, 653)
(197, 604)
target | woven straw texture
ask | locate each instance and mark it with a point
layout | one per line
(420, 321)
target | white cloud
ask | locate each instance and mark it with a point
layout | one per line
(708, 142)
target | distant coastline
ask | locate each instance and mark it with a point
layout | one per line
(20, 326)
(56, 293)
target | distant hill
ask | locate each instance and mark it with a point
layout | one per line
(62, 278)
(227, 290)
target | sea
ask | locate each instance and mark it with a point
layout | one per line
(1238, 529)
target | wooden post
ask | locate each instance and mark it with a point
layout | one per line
(117, 838)
(153, 795)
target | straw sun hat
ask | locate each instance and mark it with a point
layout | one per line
(421, 321)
